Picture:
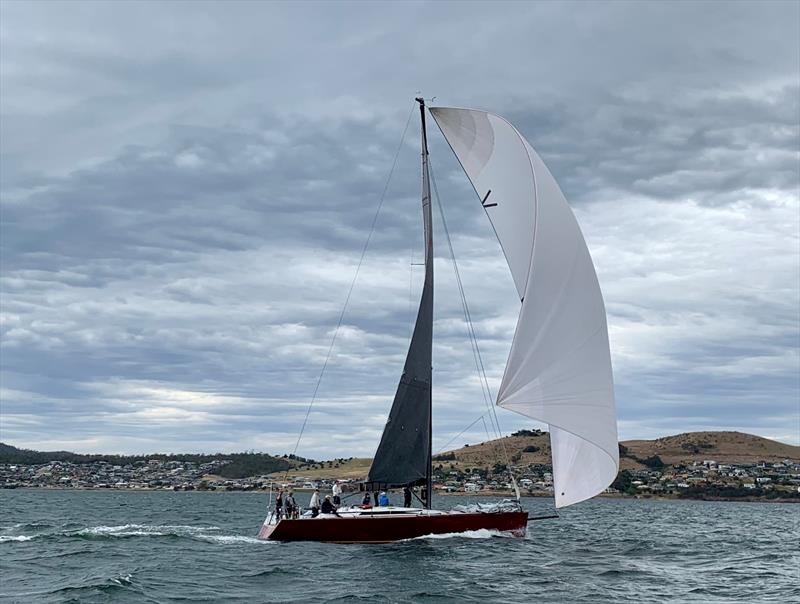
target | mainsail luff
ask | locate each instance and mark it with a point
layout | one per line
(404, 453)
(559, 368)
(427, 220)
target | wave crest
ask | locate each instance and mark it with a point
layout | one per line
(7, 538)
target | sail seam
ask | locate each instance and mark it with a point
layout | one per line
(477, 193)
(535, 197)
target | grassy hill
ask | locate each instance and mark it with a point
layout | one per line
(532, 447)
(340, 469)
(722, 447)
(523, 448)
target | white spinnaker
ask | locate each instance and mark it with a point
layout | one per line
(559, 368)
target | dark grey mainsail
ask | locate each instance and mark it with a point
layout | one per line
(404, 454)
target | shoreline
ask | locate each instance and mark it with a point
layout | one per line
(505, 494)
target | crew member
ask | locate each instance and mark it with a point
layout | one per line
(291, 506)
(327, 506)
(337, 494)
(406, 496)
(314, 504)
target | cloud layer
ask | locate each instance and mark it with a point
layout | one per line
(186, 190)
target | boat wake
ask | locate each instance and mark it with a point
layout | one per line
(208, 534)
(477, 534)
(235, 539)
(142, 530)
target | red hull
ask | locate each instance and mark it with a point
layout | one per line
(387, 528)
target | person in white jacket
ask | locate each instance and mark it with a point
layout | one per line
(314, 504)
(337, 494)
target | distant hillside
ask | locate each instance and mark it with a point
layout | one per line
(722, 447)
(526, 447)
(353, 468)
(523, 448)
(533, 447)
(241, 465)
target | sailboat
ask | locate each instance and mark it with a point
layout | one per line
(558, 370)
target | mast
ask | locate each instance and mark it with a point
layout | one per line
(403, 457)
(427, 220)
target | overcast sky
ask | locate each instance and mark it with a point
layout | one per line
(186, 189)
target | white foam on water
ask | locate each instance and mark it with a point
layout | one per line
(203, 533)
(123, 580)
(233, 539)
(141, 530)
(477, 534)
(7, 538)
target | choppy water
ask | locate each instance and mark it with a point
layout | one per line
(65, 546)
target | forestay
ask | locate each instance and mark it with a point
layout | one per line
(559, 368)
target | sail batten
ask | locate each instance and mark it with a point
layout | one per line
(559, 367)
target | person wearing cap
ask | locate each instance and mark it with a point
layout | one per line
(314, 504)
(383, 501)
(327, 506)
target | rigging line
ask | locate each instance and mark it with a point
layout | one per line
(353, 283)
(486, 428)
(449, 442)
(469, 320)
(486, 391)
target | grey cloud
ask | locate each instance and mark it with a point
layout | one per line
(185, 195)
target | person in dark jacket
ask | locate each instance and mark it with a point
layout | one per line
(279, 505)
(291, 506)
(367, 501)
(327, 506)
(406, 496)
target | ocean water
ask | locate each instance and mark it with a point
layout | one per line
(114, 546)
